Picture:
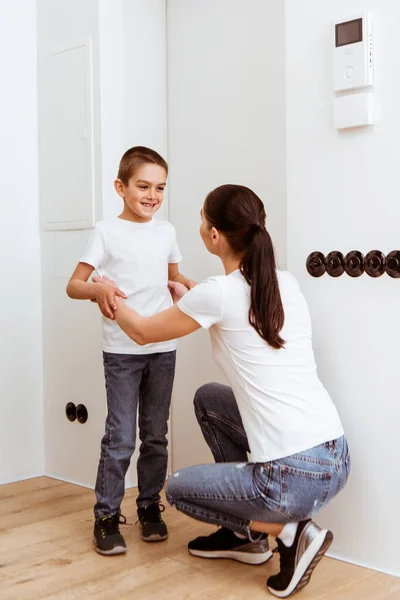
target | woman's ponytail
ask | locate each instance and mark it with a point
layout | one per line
(239, 215)
(259, 270)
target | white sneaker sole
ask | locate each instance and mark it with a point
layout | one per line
(155, 538)
(113, 552)
(244, 557)
(307, 564)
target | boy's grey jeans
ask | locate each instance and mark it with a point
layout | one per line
(134, 381)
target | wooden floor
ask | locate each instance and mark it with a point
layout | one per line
(46, 553)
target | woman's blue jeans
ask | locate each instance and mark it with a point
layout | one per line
(233, 492)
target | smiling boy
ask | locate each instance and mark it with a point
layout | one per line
(140, 254)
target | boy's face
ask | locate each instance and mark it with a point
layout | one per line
(144, 193)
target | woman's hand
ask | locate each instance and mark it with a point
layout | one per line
(106, 292)
(177, 290)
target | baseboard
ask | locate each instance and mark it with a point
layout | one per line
(79, 483)
(6, 481)
(66, 480)
(84, 485)
(371, 567)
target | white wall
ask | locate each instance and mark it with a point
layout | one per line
(226, 124)
(343, 191)
(133, 86)
(133, 96)
(129, 108)
(21, 423)
(71, 329)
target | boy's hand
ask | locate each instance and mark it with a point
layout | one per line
(106, 290)
(177, 290)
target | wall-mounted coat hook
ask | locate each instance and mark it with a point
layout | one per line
(375, 263)
(335, 264)
(354, 263)
(393, 264)
(316, 264)
(70, 411)
(81, 413)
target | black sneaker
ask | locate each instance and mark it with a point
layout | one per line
(153, 527)
(300, 559)
(223, 543)
(107, 537)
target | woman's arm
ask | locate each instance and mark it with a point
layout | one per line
(166, 325)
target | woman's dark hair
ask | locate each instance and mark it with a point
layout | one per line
(136, 157)
(239, 215)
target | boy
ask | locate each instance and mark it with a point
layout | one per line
(140, 254)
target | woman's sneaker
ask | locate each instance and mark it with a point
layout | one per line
(225, 544)
(299, 560)
(153, 527)
(107, 537)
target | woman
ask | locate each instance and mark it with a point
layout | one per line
(276, 407)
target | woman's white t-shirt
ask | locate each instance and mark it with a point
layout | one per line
(284, 407)
(136, 257)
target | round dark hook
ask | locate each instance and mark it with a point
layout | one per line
(335, 264)
(70, 411)
(354, 263)
(393, 264)
(375, 263)
(81, 413)
(316, 264)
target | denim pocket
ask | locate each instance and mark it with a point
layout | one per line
(267, 483)
(303, 493)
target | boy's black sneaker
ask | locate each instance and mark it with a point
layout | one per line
(223, 543)
(300, 559)
(107, 537)
(153, 527)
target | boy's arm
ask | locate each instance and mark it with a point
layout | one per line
(174, 275)
(167, 325)
(79, 288)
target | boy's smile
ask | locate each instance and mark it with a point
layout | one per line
(144, 194)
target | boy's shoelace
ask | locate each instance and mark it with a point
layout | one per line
(111, 524)
(151, 513)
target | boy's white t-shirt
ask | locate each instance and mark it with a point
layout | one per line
(284, 407)
(136, 257)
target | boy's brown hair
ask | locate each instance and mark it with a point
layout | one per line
(134, 158)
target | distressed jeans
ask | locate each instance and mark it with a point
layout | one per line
(134, 381)
(233, 492)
